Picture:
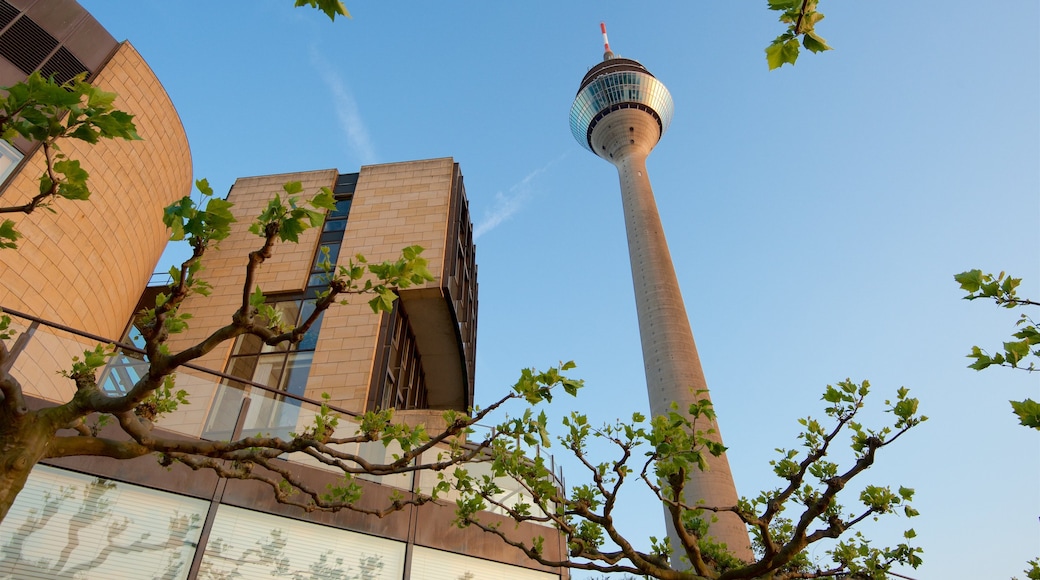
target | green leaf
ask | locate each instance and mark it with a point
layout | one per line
(783, 50)
(1028, 412)
(331, 8)
(815, 43)
(293, 187)
(8, 235)
(970, 281)
(785, 4)
(774, 54)
(411, 252)
(982, 360)
(256, 299)
(1016, 351)
(291, 230)
(324, 200)
(203, 186)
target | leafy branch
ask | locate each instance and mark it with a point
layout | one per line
(667, 448)
(1021, 353)
(42, 110)
(801, 18)
(203, 224)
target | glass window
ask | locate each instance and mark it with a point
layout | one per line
(68, 525)
(9, 159)
(284, 367)
(248, 544)
(430, 564)
(342, 208)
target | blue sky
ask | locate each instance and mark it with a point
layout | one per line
(815, 214)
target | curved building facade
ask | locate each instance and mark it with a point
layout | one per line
(85, 264)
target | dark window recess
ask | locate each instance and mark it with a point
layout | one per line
(462, 277)
(7, 14)
(63, 65)
(331, 238)
(404, 381)
(26, 45)
(398, 379)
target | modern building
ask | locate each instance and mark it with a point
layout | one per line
(79, 276)
(99, 253)
(620, 113)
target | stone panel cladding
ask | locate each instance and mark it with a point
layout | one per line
(225, 265)
(85, 265)
(395, 205)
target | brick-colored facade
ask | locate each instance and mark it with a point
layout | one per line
(394, 205)
(84, 264)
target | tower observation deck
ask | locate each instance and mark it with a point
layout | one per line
(620, 113)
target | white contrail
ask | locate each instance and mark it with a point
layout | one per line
(346, 110)
(510, 202)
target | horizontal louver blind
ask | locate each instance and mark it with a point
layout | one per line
(68, 525)
(251, 545)
(430, 564)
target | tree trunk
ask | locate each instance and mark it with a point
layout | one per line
(23, 442)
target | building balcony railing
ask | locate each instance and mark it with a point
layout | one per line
(41, 350)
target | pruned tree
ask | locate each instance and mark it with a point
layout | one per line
(1021, 353)
(42, 110)
(784, 521)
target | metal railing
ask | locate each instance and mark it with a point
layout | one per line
(220, 406)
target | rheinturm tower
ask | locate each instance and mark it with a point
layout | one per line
(620, 113)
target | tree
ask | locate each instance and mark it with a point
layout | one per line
(1020, 353)
(42, 110)
(660, 453)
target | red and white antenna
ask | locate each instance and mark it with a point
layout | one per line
(607, 54)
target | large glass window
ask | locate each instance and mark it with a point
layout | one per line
(68, 525)
(250, 545)
(283, 366)
(403, 384)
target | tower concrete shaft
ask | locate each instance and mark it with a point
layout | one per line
(620, 113)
